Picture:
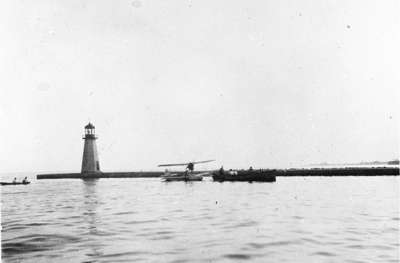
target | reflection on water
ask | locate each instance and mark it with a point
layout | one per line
(353, 219)
(90, 203)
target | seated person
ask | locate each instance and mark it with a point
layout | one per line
(25, 180)
(15, 180)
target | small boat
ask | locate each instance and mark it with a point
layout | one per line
(245, 176)
(14, 183)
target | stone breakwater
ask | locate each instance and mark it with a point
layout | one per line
(99, 175)
(347, 171)
(352, 171)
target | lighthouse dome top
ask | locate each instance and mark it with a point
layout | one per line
(89, 126)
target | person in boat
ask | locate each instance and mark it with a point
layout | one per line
(221, 170)
(15, 180)
(190, 167)
(251, 168)
(25, 180)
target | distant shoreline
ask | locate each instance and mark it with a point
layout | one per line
(392, 162)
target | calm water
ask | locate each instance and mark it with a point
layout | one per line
(320, 219)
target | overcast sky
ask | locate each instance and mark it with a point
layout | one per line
(262, 83)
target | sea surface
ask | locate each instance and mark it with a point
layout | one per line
(298, 219)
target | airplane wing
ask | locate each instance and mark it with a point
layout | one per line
(182, 164)
(204, 174)
(172, 164)
(203, 161)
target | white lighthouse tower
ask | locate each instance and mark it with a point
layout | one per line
(90, 159)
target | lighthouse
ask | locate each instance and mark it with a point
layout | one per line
(90, 159)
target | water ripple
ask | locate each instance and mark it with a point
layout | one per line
(324, 253)
(238, 256)
(38, 242)
(133, 220)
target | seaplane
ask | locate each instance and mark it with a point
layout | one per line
(187, 175)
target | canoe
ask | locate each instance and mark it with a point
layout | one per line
(245, 176)
(16, 183)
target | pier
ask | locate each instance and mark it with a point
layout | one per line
(346, 171)
(359, 171)
(99, 175)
